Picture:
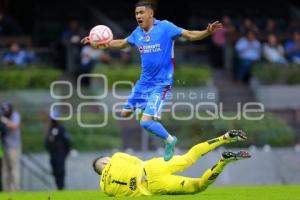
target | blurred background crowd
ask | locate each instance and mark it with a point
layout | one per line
(46, 32)
(255, 58)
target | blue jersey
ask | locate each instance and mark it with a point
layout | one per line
(156, 50)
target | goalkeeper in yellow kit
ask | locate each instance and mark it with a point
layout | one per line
(126, 175)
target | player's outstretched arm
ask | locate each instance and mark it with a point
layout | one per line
(116, 44)
(199, 35)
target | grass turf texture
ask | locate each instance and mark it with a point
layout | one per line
(290, 192)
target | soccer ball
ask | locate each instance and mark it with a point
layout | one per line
(100, 35)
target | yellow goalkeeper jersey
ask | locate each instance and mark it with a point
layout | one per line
(123, 176)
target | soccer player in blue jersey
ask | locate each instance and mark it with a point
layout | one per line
(155, 41)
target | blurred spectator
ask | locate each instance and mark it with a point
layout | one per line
(231, 37)
(120, 57)
(17, 56)
(73, 30)
(218, 44)
(58, 145)
(292, 48)
(249, 51)
(273, 51)
(270, 27)
(2, 131)
(293, 24)
(90, 57)
(12, 147)
(8, 26)
(69, 47)
(248, 25)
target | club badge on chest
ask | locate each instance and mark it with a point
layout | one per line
(147, 38)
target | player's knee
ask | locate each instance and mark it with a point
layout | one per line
(202, 185)
(126, 113)
(202, 188)
(189, 160)
(193, 188)
(146, 118)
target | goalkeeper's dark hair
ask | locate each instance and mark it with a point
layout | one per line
(95, 167)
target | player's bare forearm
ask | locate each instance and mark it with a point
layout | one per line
(195, 35)
(118, 44)
(199, 35)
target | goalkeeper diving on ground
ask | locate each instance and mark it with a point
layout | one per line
(126, 175)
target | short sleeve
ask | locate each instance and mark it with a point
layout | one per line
(173, 30)
(131, 38)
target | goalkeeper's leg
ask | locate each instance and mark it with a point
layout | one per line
(172, 184)
(211, 174)
(180, 163)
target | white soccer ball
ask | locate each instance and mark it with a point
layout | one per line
(100, 35)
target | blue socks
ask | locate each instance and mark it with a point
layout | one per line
(155, 127)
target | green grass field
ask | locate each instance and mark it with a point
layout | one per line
(291, 192)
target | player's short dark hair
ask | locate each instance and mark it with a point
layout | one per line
(147, 4)
(95, 167)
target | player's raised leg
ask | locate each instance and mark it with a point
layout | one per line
(152, 112)
(156, 128)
